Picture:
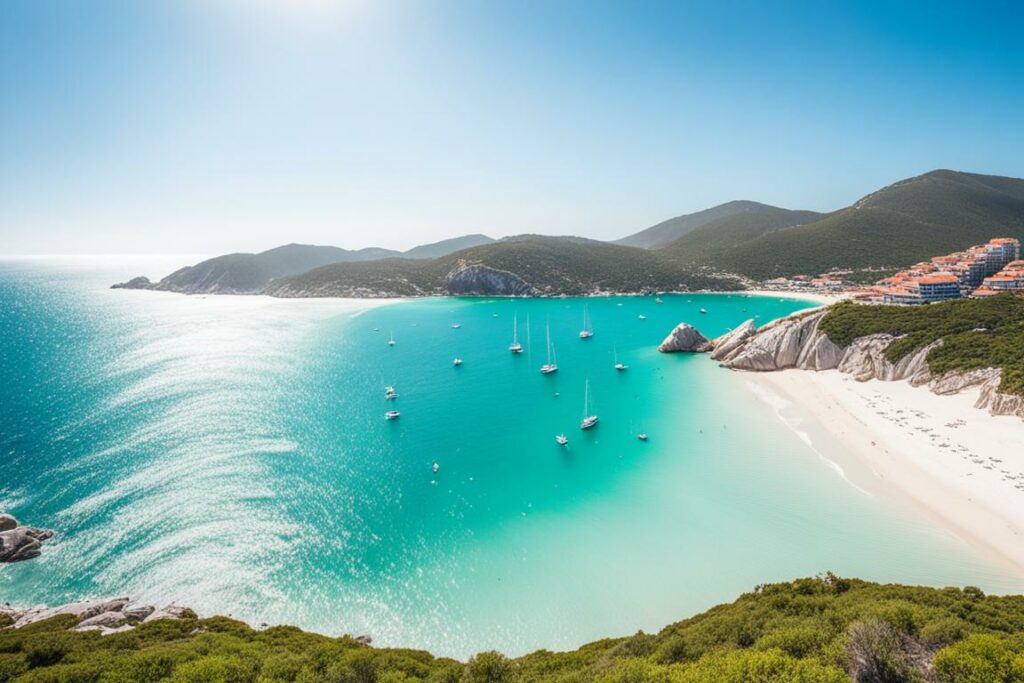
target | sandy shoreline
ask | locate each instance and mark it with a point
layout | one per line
(821, 299)
(958, 465)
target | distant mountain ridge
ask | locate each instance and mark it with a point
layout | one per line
(668, 231)
(723, 247)
(244, 273)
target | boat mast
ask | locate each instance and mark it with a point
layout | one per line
(586, 399)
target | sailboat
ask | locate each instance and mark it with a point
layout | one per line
(561, 439)
(551, 365)
(515, 346)
(619, 366)
(588, 421)
(588, 331)
(391, 339)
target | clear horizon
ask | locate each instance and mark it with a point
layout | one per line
(212, 126)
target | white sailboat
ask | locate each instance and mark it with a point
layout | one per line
(619, 366)
(551, 365)
(391, 338)
(588, 420)
(588, 331)
(515, 346)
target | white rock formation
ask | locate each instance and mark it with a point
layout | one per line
(685, 338)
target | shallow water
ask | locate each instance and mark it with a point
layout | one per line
(230, 453)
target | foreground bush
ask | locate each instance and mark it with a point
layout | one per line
(821, 630)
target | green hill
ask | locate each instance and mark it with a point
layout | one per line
(820, 630)
(705, 245)
(746, 211)
(901, 224)
(527, 264)
(445, 247)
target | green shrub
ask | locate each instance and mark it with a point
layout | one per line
(215, 669)
(11, 665)
(979, 659)
(488, 667)
(943, 632)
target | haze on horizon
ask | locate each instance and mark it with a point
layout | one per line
(209, 126)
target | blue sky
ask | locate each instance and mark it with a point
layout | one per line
(207, 126)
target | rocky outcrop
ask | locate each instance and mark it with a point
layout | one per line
(480, 280)
(140, 282)
(787, 343)
(106, 616)
(685, 337)
(19, 543)
(732, 340)
(995, 402)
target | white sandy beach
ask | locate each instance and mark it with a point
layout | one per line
(816, 297)
(959, 465)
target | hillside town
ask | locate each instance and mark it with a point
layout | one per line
(980, 271)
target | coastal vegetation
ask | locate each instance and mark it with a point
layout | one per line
(815, 630)
(975, 333)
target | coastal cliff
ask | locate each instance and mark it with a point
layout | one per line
(799, 342)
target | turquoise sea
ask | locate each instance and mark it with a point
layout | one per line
(230, 453)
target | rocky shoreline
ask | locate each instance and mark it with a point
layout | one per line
(17, 542)
(796, 342)
(105, 616)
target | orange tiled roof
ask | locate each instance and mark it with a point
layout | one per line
(937, 279)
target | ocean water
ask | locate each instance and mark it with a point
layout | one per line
(230, 453)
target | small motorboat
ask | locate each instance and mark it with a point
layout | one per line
(456, 326)
(391, 339)
(642, 436)
(642, 316)
(561, 439)
(435, 467)
(704, 310)
(457, 362)
(391, 415)
(390, 395)
(619, 366)
(658, 300)
(376, 329)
